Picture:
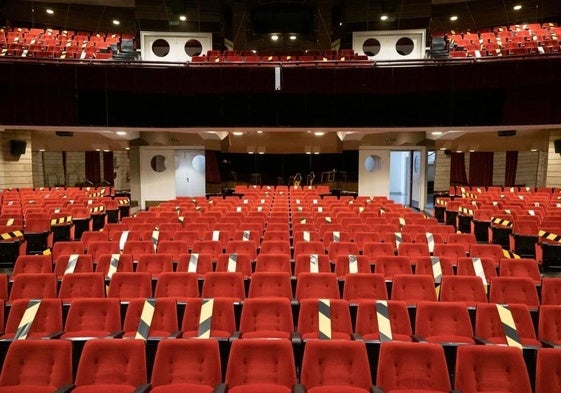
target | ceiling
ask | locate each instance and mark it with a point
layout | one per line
(230, 23)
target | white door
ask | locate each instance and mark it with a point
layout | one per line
(190, 179)
(417, 179)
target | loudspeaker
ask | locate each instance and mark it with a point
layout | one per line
(447, 152)
(17, 148)
(557, 145)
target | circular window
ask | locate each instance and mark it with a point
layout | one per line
(373, 163)
(193, 48)
(404, 46)
(371, 47)
(158, 163)
(160, 48)
(198, 163)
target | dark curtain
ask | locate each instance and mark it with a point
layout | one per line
(457, 169)
(481, 168)
(93, 167)
(64, 169)
(510, 168)
(212, 171)
(108, 167)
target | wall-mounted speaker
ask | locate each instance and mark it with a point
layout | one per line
(17, 148)
(557, 145)
(447, 152)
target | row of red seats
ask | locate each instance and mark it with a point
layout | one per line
(269, 365)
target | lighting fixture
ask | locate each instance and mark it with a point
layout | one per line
(517, 7)
(436, 133)
(292, 37)
(384, 17)
(50, 11)
(237, 133)
(122, 133)
(41, 149)
(182, 18)
(116, 22)
(459, 151)
(471, 151)
(127, 148)
(442, 148)
(533, 149)
(454, 18)
(259, 131)
(275, 37)
(319, 133)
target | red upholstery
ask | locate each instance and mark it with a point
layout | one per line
(302, 264)
(93, 318)
(178, 285)
(36, 366)
(248, 247)
(269, 317)
(548, 370)
(465, 267)
(164, 321)
(524, 267)
(494, 251)
(488, 325)
(97, 248)
(342, 248)
(104, 260)
(243, 263)
(111, 366)
(138, 247)
(367, 322)
(47, 322)
(186, 365)
(81, 285)
(317, 286)
(467, 289)
(391, 265)
(453, 251)
(275, 247)
(273, 263)
(486, 368)
(443, 322)
(174, 247)
(308, 325)
(305, 248)
(330, 366)
(361, 286)
(33, 286)
(223, 322)
(551, 291)
(508, 290)
(224, 284)
(130, 285)
(342, 265)
(155, 264)
(413, 250)
(549, 324)
(66, 248)
(261, 366)
(83, 265)
(423, 265)
(32, 264)
(264, 284)
(399, 368)
(413, 288)
(204, 263)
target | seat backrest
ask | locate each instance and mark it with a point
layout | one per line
(392, 265)
(137, 248)
(342, 265)
(335, 362)
(548, 370)
(342, 248)
(187, 361)
(112, 362)
(466, 268)
(82, 285)
(242, 263)
(164, 319)
(178, 285)
(264, 284)
(551, 290)
(399, 367)
(311, 247)
(549, 324)
(223, 322)
(508, 290)
(248, 247)
(275, 247)
(482, 368)
(454, 251)
(33, 286)
(423, 265)
(442, 319)
(48, 319)
(373, 250)
(308, 317)
(524, 267)
(413, 249)
(84, 264)
(125, 263)
(223, 284)
(32, 264)
(155, 263)
(67, 248)
(488, 323)
(174, 247)
(494, 251)
(45, 363)
(273, 263)
(367, 321)
(266, 315)
(412, 288)
(261, 363)
(302, 264)
(100, 247)
(361, 286)
(130, 285)
(102, 315)
(467, 289)
(317, 286)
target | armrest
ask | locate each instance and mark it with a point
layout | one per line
(142, 388)
(356, 336)
(117, 334)
(65, 388)
(220, 388)
(295, 338)
(548, 344)
(299, 388)
(418, 338)
(376, 389)
(479, 340)
(54, 335)
(236, 335)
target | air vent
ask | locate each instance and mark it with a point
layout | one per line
(506, 133)
(64, 133)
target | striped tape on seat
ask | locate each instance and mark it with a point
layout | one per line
(27, 319)
(11, 235)
(123, 202)
(401, 221)
(71, 264)
(113, 265)
(320, 209)
(353, 264)
(328, 220)
(205, 318)
(465, 211)
(193, 262)
(9, 222)
(155, 238)
(509, 327)
(123, 240)
(510, 255)
(436, 273)
(181, 219)
(303, 220)
(479, 272)
(440, 202)
(215, 236)
(383, 319)
(61, 220)
(306, 236)
(245, 236)
(501, 222)
(314, 263)
(550, 236)
(232, 263)
(336, 236)
(324, 319)
(146, 317)
(97, 209)
(430, 241)
(398, 239)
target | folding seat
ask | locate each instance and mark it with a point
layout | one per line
(524, 238)
(424, 265)
(67, 248)
(363, 237)
(277, 226)
(222, 237)
(266, 284)
(467, 289)
(464, 239)
(361, 286)
(367, 321)
(112, 366)
(188, 236)
(508, 290)
(179, 285)
(47, 322)
(91, 236)
(164, 323)
(155, 264)
(186, 365)
(138, 247)
(489, 328)
(273, 263)
(330, 237)
(549, 325)
(270, 235)
(32, 264)
(123, 263)
(267, 317)
(454, 251)
(98, 248)
(224, 284)
(374, 250)
(308, 247)
(551, 291)
(195, 263)
(467, 267)
(308, 325)
(4, 286)
(413, 251)
(392, 265)
(275, 247)
(413, 288)
(33, 286)
(234, 263)
(317, 286)
(248, 234)
(342, 248)
(441, 229)
(336, 366)
(93, 318)
(81, 285)
(248, 247)
(130, 285)
(524, 267)
(351, 264)
(443, 323)
(547, 370)
(211, 247)
(260, 366)
(222, 324)
(75, 263)
(37, 366)
(485, 368)
(38, 235)
(494, 251)
(399, 368)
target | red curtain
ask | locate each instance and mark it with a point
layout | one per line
(457, 169)
(510, 168)
(481, 168)
(108, 167)
(93, 167)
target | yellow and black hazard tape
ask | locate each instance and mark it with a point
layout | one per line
(11, 235)
(205, 319)
(97, 209)
(124, 202)
(465, 211)
(501, 222)
(324, 319)
(509, 327)
(143, 330)
(383, 319)
(61, 220)
(27, 319)
(550, 236)
(510, 255)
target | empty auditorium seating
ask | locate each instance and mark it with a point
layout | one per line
(308, 319)
(443, 322)
(223, 323)
(268, 317)
(367, 321)
(90, 318)
(164, 323)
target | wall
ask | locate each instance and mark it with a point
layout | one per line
(378, 181)
(553, 162)
(15, 171)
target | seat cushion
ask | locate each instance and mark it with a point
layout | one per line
(334, 336)
(27, 389)
(105, 388)
(182, 388)
(266, 334)
(450, 339)
(336, 389)
(260, 388)
(396, 337)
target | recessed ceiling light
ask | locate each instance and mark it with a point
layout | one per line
(442, 148)
(316, 152)
(471, 151)
(275, 37)
(308, 152)
(517, 7)
(106, 150)
(384, 17)
(97, 149)
(459, 151)
(182, 18)
(116, 22)
(50, 11)
(41, 149)
(436, 133)
(340, 23)
(259, 131)
(319, 133)
(533, 149)
(237, 133)
(121, 133)
(261, 152)
(453, 18)
(127, 148)
(292, 37)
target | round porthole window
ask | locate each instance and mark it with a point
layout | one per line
(160, 48)
(371, 47)
(198, 163)
(404, 46)
(193, 48)
(158, 163)
(373, 163)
